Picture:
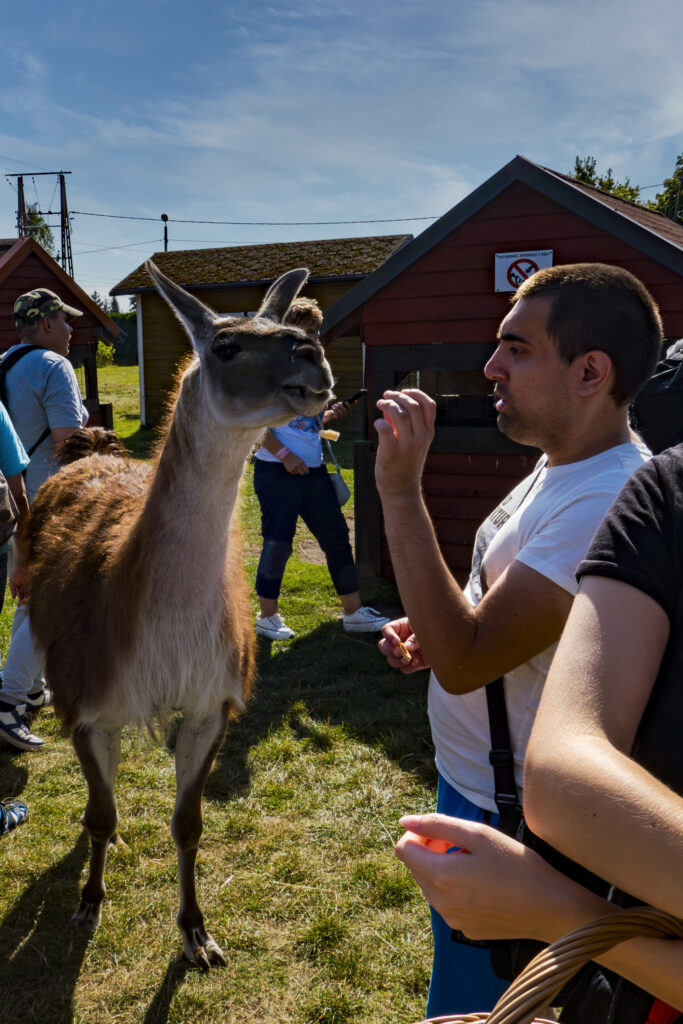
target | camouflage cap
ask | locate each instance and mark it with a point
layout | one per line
(31, 306)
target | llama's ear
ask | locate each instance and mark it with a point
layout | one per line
(195, 317)
(282, 293)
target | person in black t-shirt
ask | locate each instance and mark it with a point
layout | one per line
(604, 770)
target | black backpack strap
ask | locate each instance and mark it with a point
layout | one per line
(502, 761)
(6, 364)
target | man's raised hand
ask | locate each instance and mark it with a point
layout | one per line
(405, 432)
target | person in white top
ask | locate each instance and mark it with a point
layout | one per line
(291, 481)
(577, 345)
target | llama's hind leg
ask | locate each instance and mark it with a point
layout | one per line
(99, 752)
(197, 743)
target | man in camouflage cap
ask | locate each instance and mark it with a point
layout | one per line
(45, 405)
(29, 308)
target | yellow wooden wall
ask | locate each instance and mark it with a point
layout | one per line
(166, 346)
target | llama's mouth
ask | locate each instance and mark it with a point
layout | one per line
(297, 391)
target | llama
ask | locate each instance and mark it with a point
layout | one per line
(139, 602)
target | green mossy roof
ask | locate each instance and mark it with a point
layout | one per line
(324, 258)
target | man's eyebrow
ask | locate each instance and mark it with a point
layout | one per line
(511, 336)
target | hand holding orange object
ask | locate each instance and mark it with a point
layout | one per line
(435, 845)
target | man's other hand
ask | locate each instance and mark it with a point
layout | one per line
(396, 633)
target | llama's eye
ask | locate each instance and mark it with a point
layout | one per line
(226, 351)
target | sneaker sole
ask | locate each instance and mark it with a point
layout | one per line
(363, 628)
(273, 636)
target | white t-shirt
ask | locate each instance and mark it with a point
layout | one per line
(301, 435)
(546, 522)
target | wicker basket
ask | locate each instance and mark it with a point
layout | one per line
(544, 976)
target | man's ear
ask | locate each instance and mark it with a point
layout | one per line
(597, 372)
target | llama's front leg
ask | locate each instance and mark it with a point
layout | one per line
(196, 747)
(99, 752)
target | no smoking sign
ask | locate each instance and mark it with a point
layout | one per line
(513, 268)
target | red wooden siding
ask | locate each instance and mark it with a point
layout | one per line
(34, 273)
(460, 491)
(448, 293)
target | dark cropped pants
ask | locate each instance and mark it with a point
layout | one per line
(284, 497)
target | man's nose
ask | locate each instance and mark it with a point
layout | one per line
(494, 369)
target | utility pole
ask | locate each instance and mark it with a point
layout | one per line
(22, 226)
(164, 217)
(21, 208)
(67, 255)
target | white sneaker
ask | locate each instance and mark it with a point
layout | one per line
(365, 620)
(273, 627)
(15, 729)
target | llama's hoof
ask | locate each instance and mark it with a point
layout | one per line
(116, 844)
(87, 915)
(201, 949)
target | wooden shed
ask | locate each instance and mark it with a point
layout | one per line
(234, 280)
(428, 317)
(25, 265)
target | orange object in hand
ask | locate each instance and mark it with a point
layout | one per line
(435, 845)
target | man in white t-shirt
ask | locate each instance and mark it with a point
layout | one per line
(577, 345)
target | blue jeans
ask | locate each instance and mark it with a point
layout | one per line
(462, 978)
(284, 497)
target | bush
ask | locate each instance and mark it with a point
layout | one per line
(105, 355)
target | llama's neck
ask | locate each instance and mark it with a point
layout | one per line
(185, 522)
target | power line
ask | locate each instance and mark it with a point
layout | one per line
(257, 223)
(108, 248)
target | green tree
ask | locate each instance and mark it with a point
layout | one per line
(36, 226)
(114, 306)
(670, 201)
(585, 170)
(101, 302)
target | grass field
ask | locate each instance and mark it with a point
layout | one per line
(297, 876)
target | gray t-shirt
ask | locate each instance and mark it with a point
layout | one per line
(42, 392)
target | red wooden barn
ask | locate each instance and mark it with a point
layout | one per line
(428, 317)
(25, 265)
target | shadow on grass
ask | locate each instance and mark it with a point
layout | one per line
(141, 442)
(342, 680)
(38, 983)
(13, 776)
(160, 1007)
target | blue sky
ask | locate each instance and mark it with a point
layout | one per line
(319, 110)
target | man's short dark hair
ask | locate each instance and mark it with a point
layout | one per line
(597, 306)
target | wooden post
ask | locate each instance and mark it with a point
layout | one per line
(368, 514)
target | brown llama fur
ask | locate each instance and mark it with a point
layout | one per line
(139, 601)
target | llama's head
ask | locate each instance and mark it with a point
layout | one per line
(257, 371)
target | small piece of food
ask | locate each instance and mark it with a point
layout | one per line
(330, 435)
(406, 656)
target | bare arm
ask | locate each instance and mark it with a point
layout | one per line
(614, 816)
(60, 434)
(522, 613)
(292, 463)
(19, 582)
(500, 889)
